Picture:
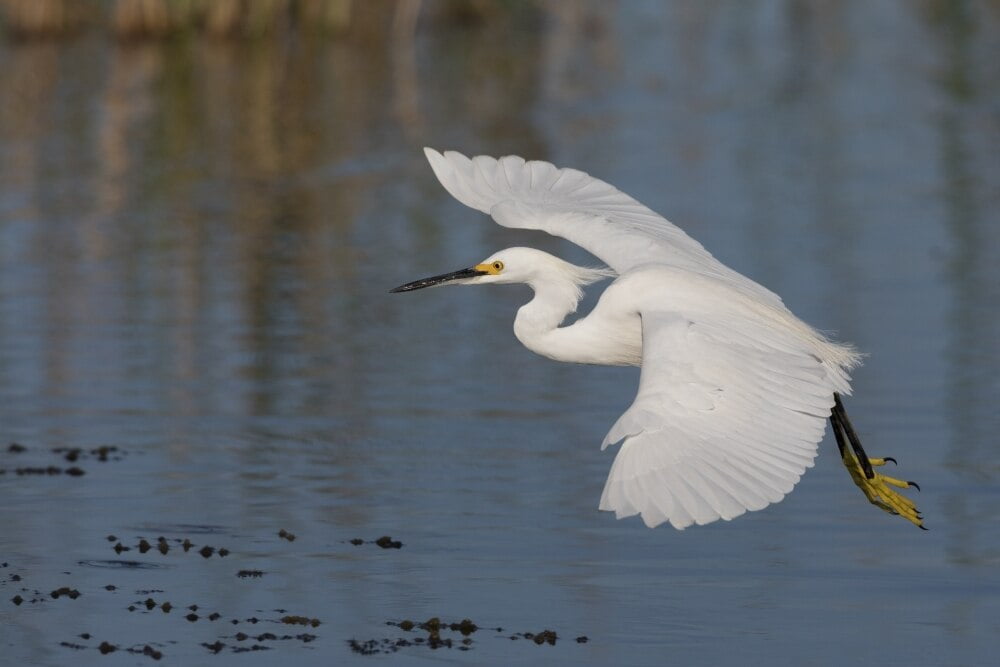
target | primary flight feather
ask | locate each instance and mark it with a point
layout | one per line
(734, 391)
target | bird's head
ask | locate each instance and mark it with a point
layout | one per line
(513, 265)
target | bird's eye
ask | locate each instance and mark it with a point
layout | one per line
(498, 266)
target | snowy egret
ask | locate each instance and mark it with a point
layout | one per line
(734, 390)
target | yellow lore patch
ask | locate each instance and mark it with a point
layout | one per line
(493, 268)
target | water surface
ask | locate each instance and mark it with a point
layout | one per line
(196, 242)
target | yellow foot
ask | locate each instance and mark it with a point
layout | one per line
(878, 488)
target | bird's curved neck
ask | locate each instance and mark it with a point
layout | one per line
(537, 322)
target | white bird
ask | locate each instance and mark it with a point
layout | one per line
(734, 391)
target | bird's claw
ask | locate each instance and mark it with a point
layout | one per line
(882, 461)
(878, 489)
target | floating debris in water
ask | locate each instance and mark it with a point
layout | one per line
(286, 535)
(147, 650)
(214, 648)
(107, 647)
(385, 542)
(435, 627)
(300, 620)
(17, 599)
(544, 637)
(255, 647)
(206, 551)
(16, 448)
(50, 470)
(256, 574)
(71, 593)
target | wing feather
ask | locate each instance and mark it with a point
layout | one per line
(587, 211)
(760, 414)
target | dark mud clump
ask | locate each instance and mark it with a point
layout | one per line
(146, 650)
(68, 454)
(106, 647)
(434, 627)
(103, 453)
(545, 637)
(385, 542)
(49, 470)
(437, 638)
(300, 620)
(241, 637)
(163, 546)
(150, 600)
(71, 593)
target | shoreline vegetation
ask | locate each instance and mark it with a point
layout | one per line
(135, 20)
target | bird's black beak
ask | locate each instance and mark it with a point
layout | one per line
(464, 274)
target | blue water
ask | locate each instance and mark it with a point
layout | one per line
(196, 243)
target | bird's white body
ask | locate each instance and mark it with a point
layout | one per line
(734, 391)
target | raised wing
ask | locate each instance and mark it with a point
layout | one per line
(726, 420)
(589, 212)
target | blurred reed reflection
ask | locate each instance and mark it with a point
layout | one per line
(968, 83)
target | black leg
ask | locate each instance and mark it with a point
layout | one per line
(838, 418)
